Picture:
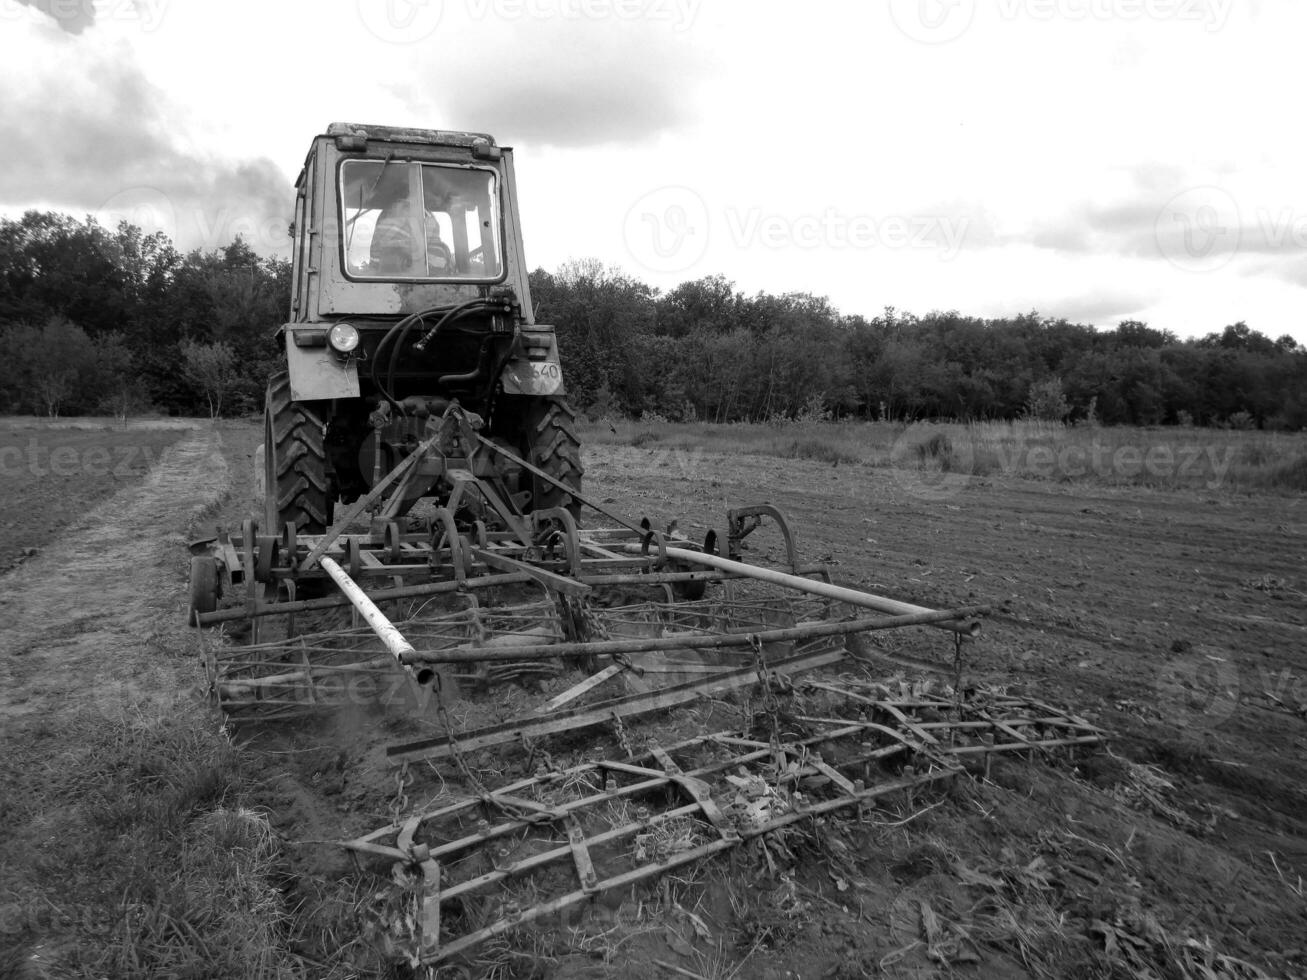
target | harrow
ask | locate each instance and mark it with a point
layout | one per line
(480, 593)
(484, 864)
(477, 547)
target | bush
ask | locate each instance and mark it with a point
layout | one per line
(938, 451)
(819, 450)
(1047, 401)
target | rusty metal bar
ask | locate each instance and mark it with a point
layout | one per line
(674, 861)
(334, 602)
(550, 580)
(702, 641)
(853, 597)
(386, 631)
(356, 508)
(656, 700)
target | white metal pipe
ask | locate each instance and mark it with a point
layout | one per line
(394, 640)
(838, 592)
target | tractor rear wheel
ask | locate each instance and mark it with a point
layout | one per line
(297, 489)
(553, 446)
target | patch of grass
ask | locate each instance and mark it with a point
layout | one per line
(1161, 457)
(130, 854)
(1290, 475)
(821, 450)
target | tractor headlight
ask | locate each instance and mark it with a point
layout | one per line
(343, 338)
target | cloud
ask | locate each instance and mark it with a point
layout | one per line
(1101, 308)
(102, 139)
(569, 85)
(73, 16)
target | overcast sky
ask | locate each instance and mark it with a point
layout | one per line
(1094, 159)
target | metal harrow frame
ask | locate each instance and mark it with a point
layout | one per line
(612, 823)
(477, 541)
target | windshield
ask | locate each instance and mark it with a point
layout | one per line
(406, 220)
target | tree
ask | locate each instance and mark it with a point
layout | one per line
(52, 368)
(1047, 401)
(213, 368)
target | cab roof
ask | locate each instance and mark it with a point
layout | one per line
(397, 134)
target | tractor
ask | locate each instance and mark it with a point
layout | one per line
(410, 295)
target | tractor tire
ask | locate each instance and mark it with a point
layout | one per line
(297, 489)
(553, 446)
(204, 587)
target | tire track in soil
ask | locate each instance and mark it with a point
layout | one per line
(1097, 591)
(95, 622)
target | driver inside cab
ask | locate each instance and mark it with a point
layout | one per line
(403, 245)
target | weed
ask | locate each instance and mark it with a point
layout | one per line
(131, 828)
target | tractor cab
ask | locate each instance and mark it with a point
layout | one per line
(410, 293)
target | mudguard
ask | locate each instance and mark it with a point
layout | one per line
(525, 375)
(316, 372)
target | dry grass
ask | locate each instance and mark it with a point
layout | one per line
(130, 836)
(1159, 457)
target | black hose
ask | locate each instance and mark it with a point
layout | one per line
(452, 314)
(377, 355)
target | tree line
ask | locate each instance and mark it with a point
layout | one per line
(116, 321)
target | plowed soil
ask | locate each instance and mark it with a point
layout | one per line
(1175, 619)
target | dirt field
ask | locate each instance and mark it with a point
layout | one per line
(1174, 618)
(52, 474)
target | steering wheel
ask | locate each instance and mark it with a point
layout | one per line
(439, 251)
